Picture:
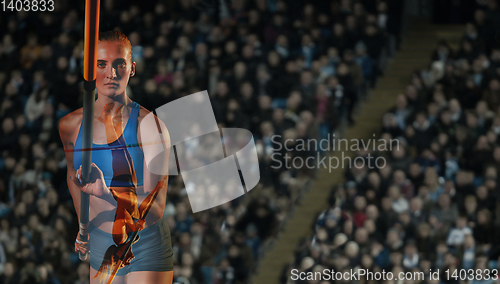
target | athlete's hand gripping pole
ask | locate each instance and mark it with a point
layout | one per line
(89, 75)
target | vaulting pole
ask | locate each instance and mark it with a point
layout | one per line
(89, 75)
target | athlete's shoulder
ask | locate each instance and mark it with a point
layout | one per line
(70, 123)
(143, 112)
(151, 125)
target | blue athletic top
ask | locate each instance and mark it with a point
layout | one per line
(102, 154)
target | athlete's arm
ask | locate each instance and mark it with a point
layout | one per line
(155, 169)
(67, 127)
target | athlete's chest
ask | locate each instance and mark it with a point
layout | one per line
(103, 131)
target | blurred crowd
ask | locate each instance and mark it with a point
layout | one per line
(282, 69)
(434, 204)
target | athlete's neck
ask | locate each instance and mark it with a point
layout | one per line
(102, 101)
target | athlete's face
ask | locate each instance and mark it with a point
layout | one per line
(114, 68)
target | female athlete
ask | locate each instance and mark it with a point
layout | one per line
(124, 196)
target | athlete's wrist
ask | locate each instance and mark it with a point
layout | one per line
(102, 189)
(105, 188)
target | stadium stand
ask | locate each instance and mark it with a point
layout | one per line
(282, 69)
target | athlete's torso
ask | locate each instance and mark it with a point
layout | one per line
(102, 212)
